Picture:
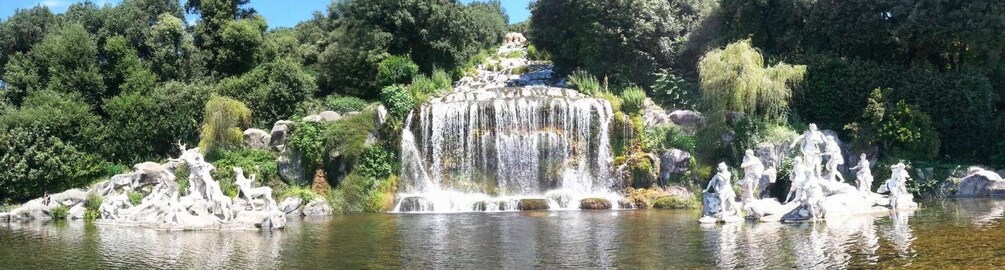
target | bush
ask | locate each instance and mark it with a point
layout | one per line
(344, 105)
(305, 194)
(585, 83)
(515, 54)
(272, 90)
(91, 206)
(534, 54)
(365, 194)
(34, 161)
(635, 100)
(396, 70)
(261, 163)
(377, 162)
(675, 92)
(398, 101)
(901, 129)
(736, 79)
(520, 70)
(223, 123)
(663, 138)
(146, 126)
(60, 212)
(135, 198)
(676, 202)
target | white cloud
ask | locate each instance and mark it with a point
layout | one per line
(54, 3)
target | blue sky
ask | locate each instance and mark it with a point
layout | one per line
(279, 13)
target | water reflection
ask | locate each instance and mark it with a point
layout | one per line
(942, 235)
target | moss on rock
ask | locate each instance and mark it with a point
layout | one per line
(595, 204)
(532, 204)
(676, 202)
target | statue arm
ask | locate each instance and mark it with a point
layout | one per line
(797, 140)
(711, 183)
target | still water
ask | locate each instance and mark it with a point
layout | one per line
(943, 234)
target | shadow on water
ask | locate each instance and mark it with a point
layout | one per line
(943, 234)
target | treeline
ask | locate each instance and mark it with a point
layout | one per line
(103, 85)
(941, 59)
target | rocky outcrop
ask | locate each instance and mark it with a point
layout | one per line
(981, 183)
(311, 118)
(673, 162)
(318, 207)
(290, 168)
(655, 116)
(291, 205)
(330, 116)
(595, 204)
(256, 139)
(686, 118)
(278, 134)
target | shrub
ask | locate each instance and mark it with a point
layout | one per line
(60, 212)
(664, 138)
(585, 83)
(91, 206)
(515, 54)
(520, 70)
(901, 129)
(34, 161)
(674, 91)
(261, 163)
(398, 101)
(305, 194)
(396, 70)
(676, 202)
(223, 123)
(272, 90)
(344, 105)
(377, 162)
(634, 100)
(534, 54)
(135, 198)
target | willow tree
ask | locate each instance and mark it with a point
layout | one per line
(735, 79)
(223, 123)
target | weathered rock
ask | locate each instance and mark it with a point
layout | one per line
(981, 183)
(381, 115)
(595, 204)
(532, 204)
(1001, 173)
(330, 116)
(256, 138)
(290, 168)
(672, 162)
(311, 118)
(76, 212)
(318, 207)
(277, 137)
(686, 118)
(4, 217)
(149, 174)
(31, 210)
(655, 116)
(68, 198)
(290, 205)
(772, 154)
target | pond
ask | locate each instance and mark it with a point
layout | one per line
(963, 233)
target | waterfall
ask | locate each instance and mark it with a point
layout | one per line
(483, 150)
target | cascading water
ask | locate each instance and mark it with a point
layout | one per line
(485, 149)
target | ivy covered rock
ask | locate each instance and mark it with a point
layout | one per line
(595, 204)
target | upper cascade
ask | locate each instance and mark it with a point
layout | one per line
(499, 138)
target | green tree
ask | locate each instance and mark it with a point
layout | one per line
(23, 30)
(36, 161)
(124, 70)
(65, 61)
(735, 78)
(173, 56)
(223, 123)
(396, 70)
(145, 126)
(272, 90)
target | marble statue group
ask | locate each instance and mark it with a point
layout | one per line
(817, 189)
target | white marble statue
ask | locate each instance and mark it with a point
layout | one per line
(864, 175)
(834, 159)
(753, 170)
(897, 184)
(767, 181)
(798, 176)
(809, 145)
(723, 188)
(811, 194)
(244, 184)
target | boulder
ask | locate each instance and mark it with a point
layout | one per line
(277, 137)
(290, 168)
(291, 205)
(655, 116)
(4, 217)
(772, 154)
(330, 116)
(595, 204)
(981, 183)
(532, 204)
(31, 210)
(675, 161)
(311, 118)
(382, 115)
(68, 198)
(149, 174)
(256, 138)
(76, 212)
(318, 207)
(686, 118)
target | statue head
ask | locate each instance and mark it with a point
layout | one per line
(813, 127)
(239, 172)
(723, 167)
(863, 157)
(749, 153)
(798, 160)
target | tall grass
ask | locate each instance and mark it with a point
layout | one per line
(585, 82)
(634, 98)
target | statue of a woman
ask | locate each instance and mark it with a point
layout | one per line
(864, 175)
(798, 175)
(834, 160)
(753, 169)
(810, 147)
